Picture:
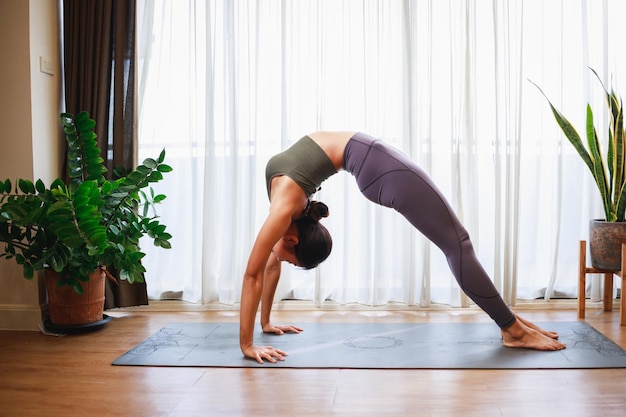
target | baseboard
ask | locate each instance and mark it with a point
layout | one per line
(19, 317)
(288, 305)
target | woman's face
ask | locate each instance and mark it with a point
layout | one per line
(283, 250)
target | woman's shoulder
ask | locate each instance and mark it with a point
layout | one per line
(288, 195)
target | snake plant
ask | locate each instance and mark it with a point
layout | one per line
(87, 223)
(609, 173)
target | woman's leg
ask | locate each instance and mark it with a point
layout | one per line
(387, 177)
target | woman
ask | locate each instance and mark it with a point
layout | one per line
(292, 232)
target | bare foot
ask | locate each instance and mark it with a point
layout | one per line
(553, 335)
(521, 335)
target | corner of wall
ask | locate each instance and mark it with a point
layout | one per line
(30, 103)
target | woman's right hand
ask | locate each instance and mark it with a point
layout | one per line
(269, 353)
(280, 329)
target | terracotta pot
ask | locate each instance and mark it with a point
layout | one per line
(605, 244)
(66, 307)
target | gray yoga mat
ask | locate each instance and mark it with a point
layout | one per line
(376, 345)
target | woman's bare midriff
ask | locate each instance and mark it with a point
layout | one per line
(334, 144)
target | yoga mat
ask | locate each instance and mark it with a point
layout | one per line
(376, 346)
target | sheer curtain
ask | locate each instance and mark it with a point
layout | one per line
(223, 85)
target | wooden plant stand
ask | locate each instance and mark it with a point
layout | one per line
(583, 270)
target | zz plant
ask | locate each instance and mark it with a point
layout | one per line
(87, 223)
(609, 173)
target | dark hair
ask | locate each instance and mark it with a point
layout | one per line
(314, 241)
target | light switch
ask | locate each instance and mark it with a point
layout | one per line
(46, 66)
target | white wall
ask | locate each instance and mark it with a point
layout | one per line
(30, 138)
(47, 138)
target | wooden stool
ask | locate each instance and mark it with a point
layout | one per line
(583, 270)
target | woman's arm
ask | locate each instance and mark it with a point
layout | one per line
(272, 276)
(287, 202)
(252, 289)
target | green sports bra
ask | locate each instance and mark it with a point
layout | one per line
(304, 162)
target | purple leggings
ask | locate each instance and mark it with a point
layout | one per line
(387, 177)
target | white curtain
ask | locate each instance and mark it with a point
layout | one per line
(225, 84)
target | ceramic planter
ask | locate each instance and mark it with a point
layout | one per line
(605, 244)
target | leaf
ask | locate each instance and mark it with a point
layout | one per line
(145, 169)
(162, 243)
(106, 187)
(26, 186)
(150, 163)
(93, 251)
(29, 273)
(598, 169)
(165, 168)
(59, 206)
(73, 241)
(56, 263)
(86, 126)
(85, 211)
(158, 229)
(125, 276)
(158, 198)
(40, 187)
(79, 118)
(146, 207)
(77, 287)
(58, 184)
(155, 176)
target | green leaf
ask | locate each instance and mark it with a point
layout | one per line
(94, 251)
(165, 168)
(73, 241)
(56, 263)
(61, 207)
(58, 184)
(80, 117)
(29, 273)
(155, 176)
(77, 287)
(85, 211)
(40, 186)
(26, 186)
(158, 198)
(86, 126)
(150, 163)
(162, 243)
(598, 169)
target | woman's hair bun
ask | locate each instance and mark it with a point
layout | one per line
(317, 210)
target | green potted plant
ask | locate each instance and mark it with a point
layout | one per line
(73, 231)
(609, 173)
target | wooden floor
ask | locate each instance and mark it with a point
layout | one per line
(73, 376)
